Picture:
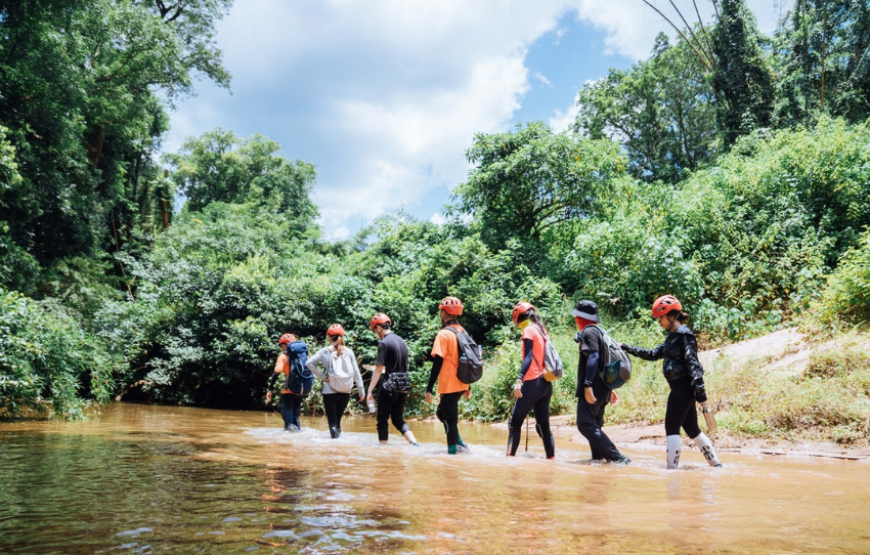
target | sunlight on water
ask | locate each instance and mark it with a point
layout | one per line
(144, 479)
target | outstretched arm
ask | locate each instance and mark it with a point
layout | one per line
(646, 354)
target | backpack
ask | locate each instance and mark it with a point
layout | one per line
(617, 365)
(341, 373)
(299, 379)
(552, 362)
(470, 367)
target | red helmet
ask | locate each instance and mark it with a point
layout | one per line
(521, 308)
(287, 338)
(665, 304)
(451, 305)
(335, 329)
(378, 319)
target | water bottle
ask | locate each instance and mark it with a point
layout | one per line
(371, 405)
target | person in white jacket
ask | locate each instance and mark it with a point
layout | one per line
(340, 371)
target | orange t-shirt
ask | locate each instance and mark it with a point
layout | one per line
(536, 370)
(447, 347)
(282, 366)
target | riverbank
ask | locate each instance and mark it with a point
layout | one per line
(788, 393)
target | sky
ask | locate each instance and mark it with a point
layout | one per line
(385, 96)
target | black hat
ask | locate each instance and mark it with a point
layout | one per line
(587, 310)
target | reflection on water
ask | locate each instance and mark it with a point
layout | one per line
(146, 479)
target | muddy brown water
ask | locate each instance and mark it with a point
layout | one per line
(149, 479)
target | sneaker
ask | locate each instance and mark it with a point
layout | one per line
(717, 465)
(463, 448)
(291, 428)
(623, 460)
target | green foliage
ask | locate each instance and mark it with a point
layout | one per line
(847, 295)
(743, 80)
(219, 167)
(661, 110)
(527, 181)
(45, 354)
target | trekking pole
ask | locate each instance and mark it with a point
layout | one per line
(527, 433)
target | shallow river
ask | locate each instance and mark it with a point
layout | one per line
(146, 479)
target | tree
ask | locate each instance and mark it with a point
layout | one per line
(743, 81)
(220, 167)
(822, 52)
(530, 180)
(661, 110)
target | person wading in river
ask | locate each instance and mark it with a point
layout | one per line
(531, 389)
(685, 376)
(340, 371)
(445, 353)
(296, 385)
(592, 393)
(393, 362)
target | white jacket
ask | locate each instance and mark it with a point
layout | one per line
(324, 357)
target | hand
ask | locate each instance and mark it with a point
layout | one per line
(590, 397)
(467, 394)
(578, 337)
(623, 346)
(362, 398)
(428, 398)
(700, 393)
(518, 391)
(268, 396)
(370, 397)
(614, 398)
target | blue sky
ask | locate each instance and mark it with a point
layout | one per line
(384, 96)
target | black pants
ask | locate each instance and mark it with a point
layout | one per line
(291, 408)
(536, 394)
(334, 405)
(390, 407)
(448, 414)
(590, 420)
(681, 411)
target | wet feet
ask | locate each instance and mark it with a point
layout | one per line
(291, 428)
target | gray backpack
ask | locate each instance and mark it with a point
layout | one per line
(552, 362)
(617, 365)
(470, 367)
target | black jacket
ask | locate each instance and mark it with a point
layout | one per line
(680, 354)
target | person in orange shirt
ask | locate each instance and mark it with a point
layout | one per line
(445, 353)
(531, 389)
(291, 405)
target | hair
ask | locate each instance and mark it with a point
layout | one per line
(339, 345)
(681, 317)
(532, 315)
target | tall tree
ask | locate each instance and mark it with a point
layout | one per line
(743, 81)
(530, 180)
(661, 110)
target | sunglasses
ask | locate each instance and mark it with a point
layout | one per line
(334, 338)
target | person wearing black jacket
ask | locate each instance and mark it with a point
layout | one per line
(592, 393)
(685, 376)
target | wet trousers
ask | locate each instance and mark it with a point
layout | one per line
(291, 408)
(390, 407)
(681, 412)
(334, 404)
(590, 420)
(536, 395)
(448, 414)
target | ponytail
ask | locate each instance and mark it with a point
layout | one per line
(531, 314)
(682, 317)
(339, 345)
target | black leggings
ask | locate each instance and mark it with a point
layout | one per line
(536, 394)
(291, 408)
(681, 411)
(590, 420)
(334, 405)
(390, 407)
(448, 414)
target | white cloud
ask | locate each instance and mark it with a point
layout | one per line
(384, 97)
(542, 78)
(438, 219)
(561, 121)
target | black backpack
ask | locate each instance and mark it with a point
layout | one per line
(470, 368)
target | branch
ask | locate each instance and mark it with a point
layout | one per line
(691, 32)
(706, 34)
(677, 29)
(716, 9)
(175, 16)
